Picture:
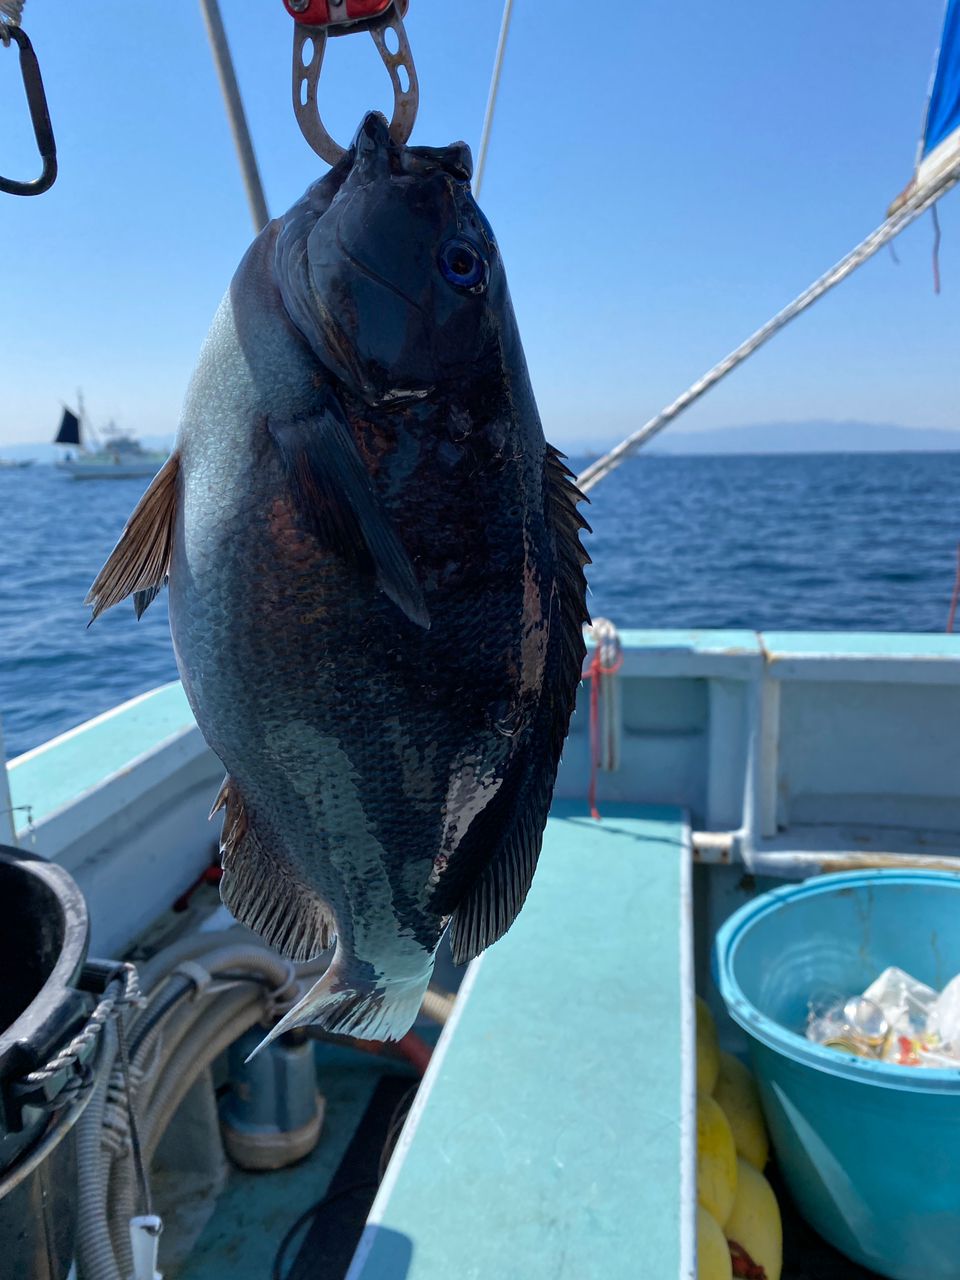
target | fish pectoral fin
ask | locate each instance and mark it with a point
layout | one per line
(139, 563)
(263, 891)
(333, 488)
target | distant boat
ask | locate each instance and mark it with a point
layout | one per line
(116, 457)
(15, 464)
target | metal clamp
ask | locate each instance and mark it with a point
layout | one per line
(39, 116)
(315, 20)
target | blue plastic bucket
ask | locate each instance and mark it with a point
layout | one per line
(869, 1150)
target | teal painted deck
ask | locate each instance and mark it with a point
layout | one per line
(551, 1139)
(863, 644)
(59, 772)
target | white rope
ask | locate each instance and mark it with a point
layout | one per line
(606, 637)
(492, 97)
(216, 34)
(910, 211)
(11, 11)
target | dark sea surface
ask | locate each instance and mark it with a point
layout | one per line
(792, 542)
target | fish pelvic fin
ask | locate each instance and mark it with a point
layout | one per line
(138, 565)
(263, 891)
(346, 1002)
(489, 903)
(334, 490)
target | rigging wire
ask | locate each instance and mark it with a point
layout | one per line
(492, 97)
(885, 233)
(235, 112)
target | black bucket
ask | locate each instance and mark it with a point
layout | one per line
(44, 1003)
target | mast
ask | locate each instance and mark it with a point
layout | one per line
(235, 112)
(87, 432)
(492, 97)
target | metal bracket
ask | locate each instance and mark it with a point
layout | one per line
(39, 116)
(307, 64)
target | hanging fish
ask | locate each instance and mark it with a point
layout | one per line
(376, 583)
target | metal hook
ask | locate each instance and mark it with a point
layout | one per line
(39, 117)
(306, 76)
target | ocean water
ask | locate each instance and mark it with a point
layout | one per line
(790, 542)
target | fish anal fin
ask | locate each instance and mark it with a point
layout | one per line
(333, 489)
(262, 891)
(139, 563)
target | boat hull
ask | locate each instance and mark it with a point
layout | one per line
(110, 470)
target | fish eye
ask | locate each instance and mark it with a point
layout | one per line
(463, 265)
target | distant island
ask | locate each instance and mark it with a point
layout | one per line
(793, 437)
(773, 437)
(807, 437)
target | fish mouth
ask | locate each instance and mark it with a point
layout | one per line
(373, 137)
(332, 315)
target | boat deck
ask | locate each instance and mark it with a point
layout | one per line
(554, 1132)
(553, 1135)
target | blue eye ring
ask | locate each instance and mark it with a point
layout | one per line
(463, 265)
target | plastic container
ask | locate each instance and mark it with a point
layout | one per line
(43, 945)
(869, 1150)
(272, 1116)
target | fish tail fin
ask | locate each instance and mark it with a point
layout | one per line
(345, 1002)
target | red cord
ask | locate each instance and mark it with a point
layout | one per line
(212, 875)
(743, 1265)
(416, 1051)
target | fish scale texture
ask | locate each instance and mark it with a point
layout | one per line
(376, 583)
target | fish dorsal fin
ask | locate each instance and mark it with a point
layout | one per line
(139, 563)
(333, 489)
(493, 901)
(490, 902)
(263, 891)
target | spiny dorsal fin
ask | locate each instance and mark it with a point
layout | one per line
(496, 896)
(139, 563)
(491, 902)
(262, 891)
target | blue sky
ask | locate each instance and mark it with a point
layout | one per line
(660, 185)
